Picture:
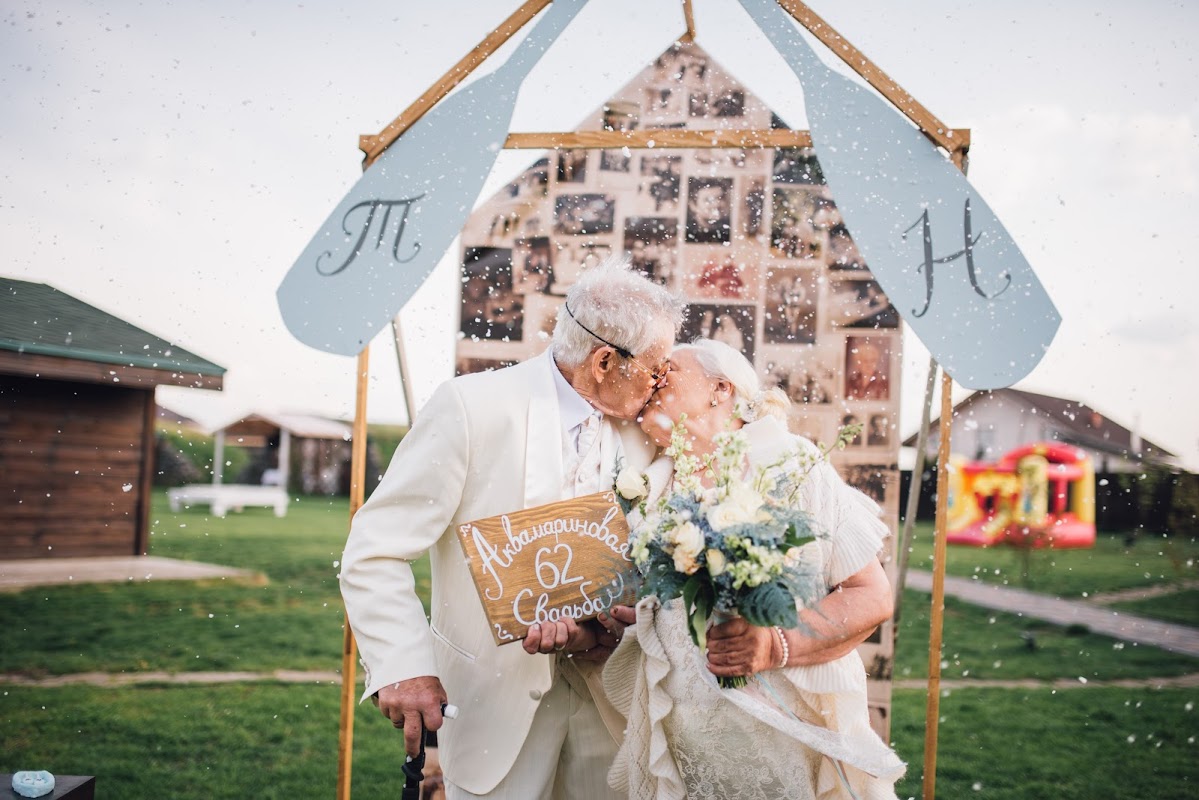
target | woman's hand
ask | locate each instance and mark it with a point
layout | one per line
(738, 649)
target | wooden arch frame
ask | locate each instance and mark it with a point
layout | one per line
(955, 143)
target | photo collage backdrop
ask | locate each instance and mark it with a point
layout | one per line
(753, 240)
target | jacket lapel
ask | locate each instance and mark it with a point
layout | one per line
(543, 438)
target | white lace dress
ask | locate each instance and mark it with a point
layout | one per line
(687, 738)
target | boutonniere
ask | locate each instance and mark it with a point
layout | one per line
(632, 487)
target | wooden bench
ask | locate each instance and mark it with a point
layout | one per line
(222, 498)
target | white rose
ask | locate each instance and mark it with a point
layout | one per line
(631, 485)
(716, 562)
(741, 506)
(688, 542)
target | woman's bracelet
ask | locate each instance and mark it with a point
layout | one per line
(786, 648)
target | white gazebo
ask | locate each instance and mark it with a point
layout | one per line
(258, 430)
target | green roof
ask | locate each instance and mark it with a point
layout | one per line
(36, 318)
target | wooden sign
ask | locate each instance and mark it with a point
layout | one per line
(565, 559)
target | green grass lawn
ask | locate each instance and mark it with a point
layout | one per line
(272, 741)
(281, 741)
(292, 621)
(1181, 607)
(1081, 744)
(1073, 574)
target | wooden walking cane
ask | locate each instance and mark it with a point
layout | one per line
(373, 147)
(936, 620)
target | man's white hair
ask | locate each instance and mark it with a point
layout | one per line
(721, 362)
(621, 305)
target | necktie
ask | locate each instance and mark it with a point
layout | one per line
(589, 455)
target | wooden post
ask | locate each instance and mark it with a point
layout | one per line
(914, 487)
(349, 650)
(405, 378)
(689, 18)
(937, 618)
(932, 716)
(284, 464)
(218, 458)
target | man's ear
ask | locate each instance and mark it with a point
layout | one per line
(603, 363)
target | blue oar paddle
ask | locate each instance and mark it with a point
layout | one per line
(936, 247)
(387, 235)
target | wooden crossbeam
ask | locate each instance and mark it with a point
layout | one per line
(671, 138)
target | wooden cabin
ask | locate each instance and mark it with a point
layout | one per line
(77, 418)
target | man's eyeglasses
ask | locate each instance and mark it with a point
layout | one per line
(624, 353)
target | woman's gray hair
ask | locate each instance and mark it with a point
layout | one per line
(721, 362)
(623, 306)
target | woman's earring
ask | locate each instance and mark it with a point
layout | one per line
(713, 402)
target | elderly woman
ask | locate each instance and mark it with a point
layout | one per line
(802, 729)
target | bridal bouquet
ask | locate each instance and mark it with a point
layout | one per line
(733, 547)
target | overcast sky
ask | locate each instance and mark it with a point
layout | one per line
(168, 162)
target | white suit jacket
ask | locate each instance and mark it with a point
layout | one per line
(485, 444)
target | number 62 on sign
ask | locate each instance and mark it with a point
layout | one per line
(543, 564)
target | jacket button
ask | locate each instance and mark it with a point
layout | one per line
(535, 694)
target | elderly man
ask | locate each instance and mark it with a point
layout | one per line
(549, 429)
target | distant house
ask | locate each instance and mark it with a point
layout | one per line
(988, 424)
(77, 416)
(301, 452)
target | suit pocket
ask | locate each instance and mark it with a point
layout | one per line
(441, 638)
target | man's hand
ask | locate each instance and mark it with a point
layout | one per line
(563, 636)
(738, 649)
(593, 640)
(410, 702)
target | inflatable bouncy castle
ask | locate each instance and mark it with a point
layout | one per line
(1039, 495)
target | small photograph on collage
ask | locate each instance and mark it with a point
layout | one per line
(870, 479)
(661, 177)
(860, 303)
(878, 429)
(753, 207)
(615, 161)
(731, 324)
(621, 115)
(720, 273)
(583, 214)
(854, 421)
(533, 265)
(652, 246)
(709, 210)
(728, 159)
(664, 102)
(491, 308)
(867, 368)
(572, 166)
(792, 234)
(843, 254)
(809, 376)
(791, 299)
(797, 165)
(530, 184)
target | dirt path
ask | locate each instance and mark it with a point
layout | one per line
(1143, 593)
(1097, 618)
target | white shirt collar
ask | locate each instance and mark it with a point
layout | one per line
(572, 408)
